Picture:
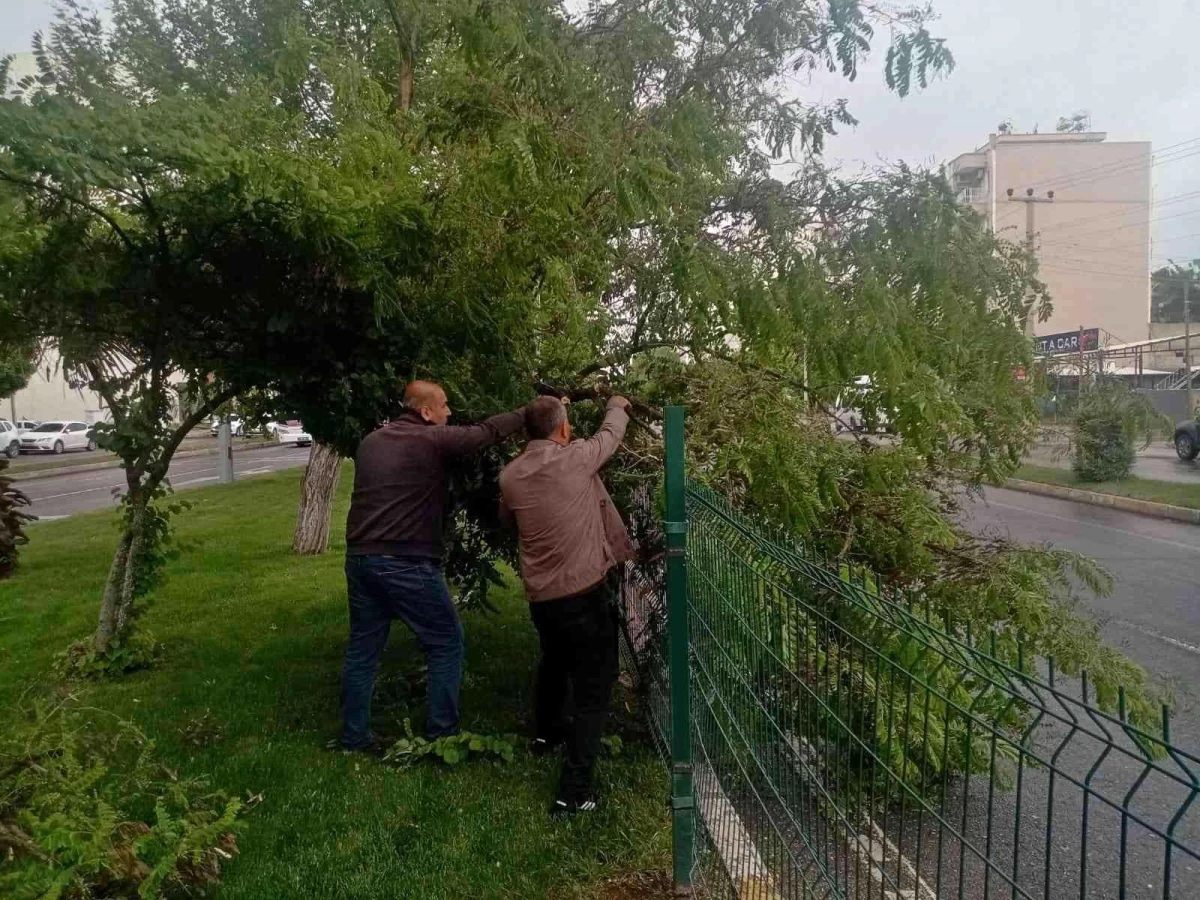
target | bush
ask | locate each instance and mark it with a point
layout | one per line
(87, 811)
(1106, 424)
(12, 522)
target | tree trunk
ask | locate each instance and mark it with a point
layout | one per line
(316, 500)
(119, 589)
(406, 84)
(106, 628)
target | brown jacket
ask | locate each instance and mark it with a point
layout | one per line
(399, 503)
(570, 532)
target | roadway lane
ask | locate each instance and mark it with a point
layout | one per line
(1153, 616)
(74, 492)
(1154, 611)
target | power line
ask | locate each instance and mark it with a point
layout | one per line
(1166, 201)
(1107, 274)
(1087, 234)
(1061, 268)
(1075, 244)
(1128, 169)
(1125, 162)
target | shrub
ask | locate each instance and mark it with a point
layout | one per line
(451, 750)
(88, 811)
(1106, 424)
(12, 522)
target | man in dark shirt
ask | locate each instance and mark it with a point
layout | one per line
(394, 554)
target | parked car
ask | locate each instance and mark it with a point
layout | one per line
(26, 424)
(292, 432)
(1187, 440)
(849, 409)
(58, 437)
(236, 426)
(10, 439)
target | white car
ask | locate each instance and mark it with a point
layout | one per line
(848, 411)
(292, 432)
(236, 426)
(10, 439)
(58, 437)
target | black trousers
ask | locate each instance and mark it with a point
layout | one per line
(578, 636)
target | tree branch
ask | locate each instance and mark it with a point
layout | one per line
(616, 358)
(159, 470)
(63, 195)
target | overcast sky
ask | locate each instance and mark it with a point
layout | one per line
(1133, 67)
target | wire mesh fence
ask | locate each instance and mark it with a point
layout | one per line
(847, 744)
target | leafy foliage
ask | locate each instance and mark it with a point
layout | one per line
(1166, 291)
(13, 519)
(889, 518)
(1108, 420)
(18, 361)
(87, 811)
(451, 750)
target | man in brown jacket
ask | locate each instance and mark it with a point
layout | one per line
(394, 554)
(571, 541)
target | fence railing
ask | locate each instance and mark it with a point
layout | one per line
(842, 743)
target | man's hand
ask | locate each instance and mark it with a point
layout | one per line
(618, 402)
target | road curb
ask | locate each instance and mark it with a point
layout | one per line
(56, 471)
(1125, 504)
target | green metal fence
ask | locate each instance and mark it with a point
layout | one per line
(827, 739)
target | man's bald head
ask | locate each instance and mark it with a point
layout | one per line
(428, 399)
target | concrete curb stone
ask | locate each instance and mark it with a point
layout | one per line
(1125, 504)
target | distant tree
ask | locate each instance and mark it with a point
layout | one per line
(1005, 127)
(183, 251)
(1109, 419)
(18, 362)
(1076, 123)
(1166, 291)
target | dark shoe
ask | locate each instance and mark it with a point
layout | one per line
(373, 745)
(568, 809)
(543, 746)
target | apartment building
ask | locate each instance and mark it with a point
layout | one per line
(1091, 209)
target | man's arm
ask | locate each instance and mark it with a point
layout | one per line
(599, 448)
(507, 519)
(459, 440)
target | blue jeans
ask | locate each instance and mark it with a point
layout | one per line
(382, 588)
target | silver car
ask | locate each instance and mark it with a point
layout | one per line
(58, 437)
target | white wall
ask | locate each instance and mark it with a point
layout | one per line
(48, 396)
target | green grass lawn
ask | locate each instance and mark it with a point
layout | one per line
(254, 638)
(1169, 492)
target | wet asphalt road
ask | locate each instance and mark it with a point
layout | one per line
(1153, 616)
(74, 492)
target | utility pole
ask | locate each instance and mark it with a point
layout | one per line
(1029, 200)
(224, 452)
(1187, 341)
(1080, 363)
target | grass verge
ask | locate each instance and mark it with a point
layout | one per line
(1172, 493)
(248, 696)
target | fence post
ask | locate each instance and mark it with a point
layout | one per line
(683, 804)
